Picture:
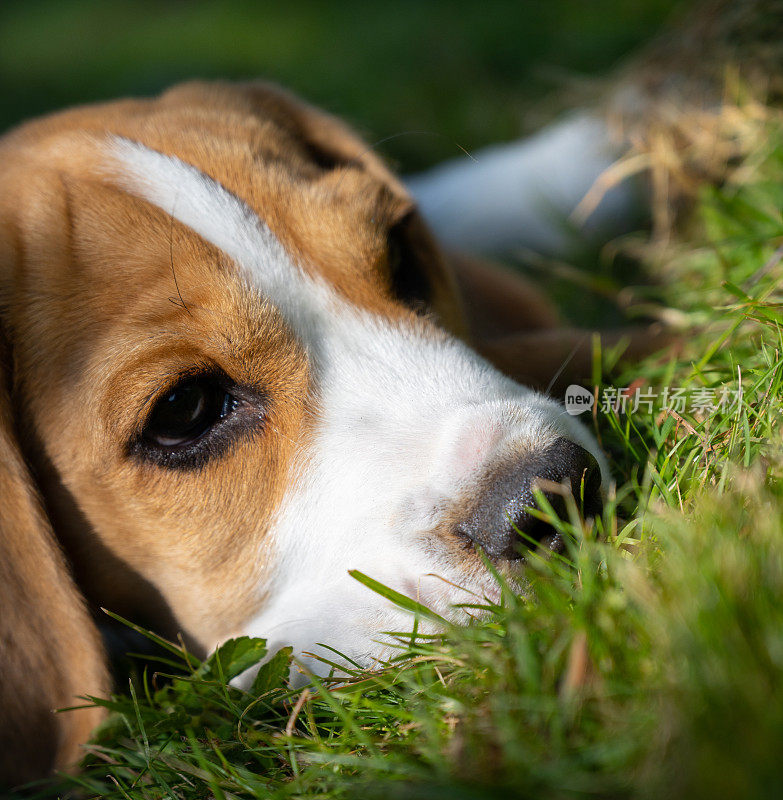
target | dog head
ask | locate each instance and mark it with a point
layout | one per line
(233, 372)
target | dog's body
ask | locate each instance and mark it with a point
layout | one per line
(234, 369)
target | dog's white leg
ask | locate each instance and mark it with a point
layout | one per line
(520, 195)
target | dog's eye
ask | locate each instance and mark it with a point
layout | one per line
(197, 419)
(187, 412)
(409, 281)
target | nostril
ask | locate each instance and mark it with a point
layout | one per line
(528, 530)
(579, 468)
(501, 520)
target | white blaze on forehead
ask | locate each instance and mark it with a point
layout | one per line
(363, 349)
(407, 418)
(219, 217)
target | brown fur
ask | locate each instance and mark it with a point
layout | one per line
(102, 300)
(49, 649)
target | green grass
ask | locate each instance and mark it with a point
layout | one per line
(646, 662)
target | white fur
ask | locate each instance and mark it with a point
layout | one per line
(520, 195)
(408, 419)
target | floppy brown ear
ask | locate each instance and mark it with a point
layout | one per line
(50, 649)
(514, 325)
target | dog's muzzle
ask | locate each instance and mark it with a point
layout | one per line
(501, 521)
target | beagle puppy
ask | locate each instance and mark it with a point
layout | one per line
(235, 365)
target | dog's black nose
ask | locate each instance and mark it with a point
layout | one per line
(500, 516)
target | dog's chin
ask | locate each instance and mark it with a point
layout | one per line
(347, 626)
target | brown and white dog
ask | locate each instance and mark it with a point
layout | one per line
(235, 365)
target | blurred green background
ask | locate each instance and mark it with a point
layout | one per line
(456, 72)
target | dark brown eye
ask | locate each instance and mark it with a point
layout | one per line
(188, 412)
